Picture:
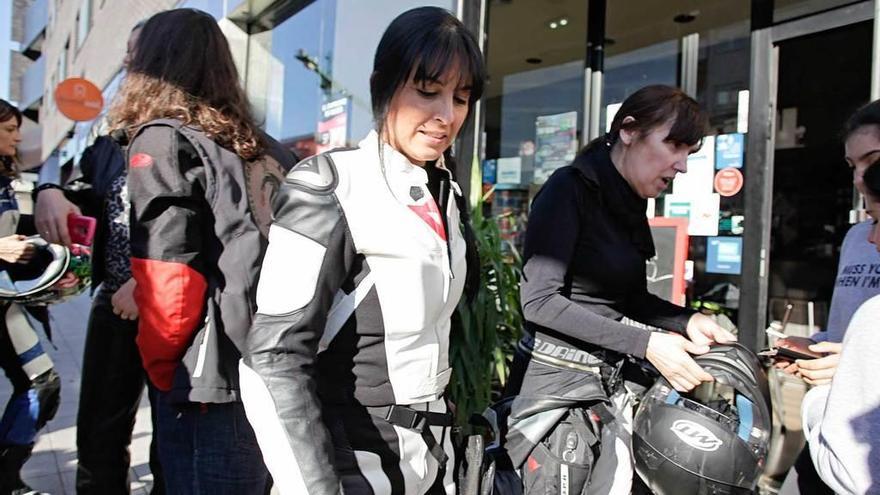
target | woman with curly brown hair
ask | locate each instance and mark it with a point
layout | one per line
(198, 169)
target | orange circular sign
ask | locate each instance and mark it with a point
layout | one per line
(78, 99)
(728, 181)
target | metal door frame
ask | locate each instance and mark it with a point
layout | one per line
(763, 85)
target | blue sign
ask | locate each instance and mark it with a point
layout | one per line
(490, 169)
(729, 150)
(724, 255)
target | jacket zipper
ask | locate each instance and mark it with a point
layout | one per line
(203, 349)
(443, 185)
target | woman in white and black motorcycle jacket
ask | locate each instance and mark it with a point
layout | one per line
(346, 363)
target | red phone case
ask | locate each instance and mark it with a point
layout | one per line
(81, 229)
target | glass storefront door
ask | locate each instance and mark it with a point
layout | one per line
(809, 76)
(533, 102)
(536, 63)
(812, 184)
(708, 48)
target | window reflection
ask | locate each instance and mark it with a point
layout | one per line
(784, 10)
(285, 93)
(308, 77)
(534, 103)
(535, 60)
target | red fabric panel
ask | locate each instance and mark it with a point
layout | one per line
(170, 297)
(431, 216)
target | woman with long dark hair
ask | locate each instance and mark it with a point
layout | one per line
(198, 167)
(347, 360)
(35, 385)
(584, 290)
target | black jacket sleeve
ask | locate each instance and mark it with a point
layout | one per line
(551, 238)
(655, 311)
(309, 255)
(169, 213)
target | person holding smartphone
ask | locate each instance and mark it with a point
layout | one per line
(861, 136)
(862, 148)
(113, 377)
(842, 418)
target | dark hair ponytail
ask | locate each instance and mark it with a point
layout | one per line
(651, 107)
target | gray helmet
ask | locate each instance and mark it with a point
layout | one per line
(44, 278)
(713, 440)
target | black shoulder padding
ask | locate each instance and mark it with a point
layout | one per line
(316, 174)
(306, 202)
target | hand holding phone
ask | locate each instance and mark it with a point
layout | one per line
(793, 348)
(81, 229)
(796, 348)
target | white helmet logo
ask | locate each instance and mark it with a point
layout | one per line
(697, 436)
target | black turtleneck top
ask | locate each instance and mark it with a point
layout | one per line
(584, 261)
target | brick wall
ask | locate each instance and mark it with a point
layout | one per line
(18, 62)
(99, 56)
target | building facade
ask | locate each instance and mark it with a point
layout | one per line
(768, 199)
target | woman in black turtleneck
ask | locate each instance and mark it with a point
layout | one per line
(584, 276)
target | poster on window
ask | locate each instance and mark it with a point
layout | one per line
(724, 255)
(555, 143)
(665, 272)
(729, 151)
(333, 127)
(702, 211)
(700, 171)
(509, 171)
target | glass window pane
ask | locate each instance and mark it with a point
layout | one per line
(285, 93)
(310, 86)
(784, 10)
(642, 46)
(723, 69)
(534, 102)
(84, 22)
(536, 69)
(353, 61)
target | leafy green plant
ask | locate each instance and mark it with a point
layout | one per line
(484, 333)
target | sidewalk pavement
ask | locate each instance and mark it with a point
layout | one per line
(52, 468)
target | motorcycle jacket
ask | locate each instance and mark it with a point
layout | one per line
(199, 218)
(365, 266)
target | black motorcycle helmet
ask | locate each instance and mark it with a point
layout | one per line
(713, 440)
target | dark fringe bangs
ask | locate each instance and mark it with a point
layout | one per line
(690, 123)
(446, 50)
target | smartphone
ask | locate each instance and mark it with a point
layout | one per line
(81, 229)
(792, 348)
